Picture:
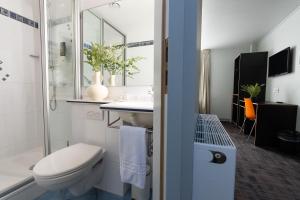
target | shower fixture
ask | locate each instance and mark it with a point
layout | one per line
(62, 48)
(53, 101)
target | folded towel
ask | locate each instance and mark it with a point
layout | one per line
(133, 155)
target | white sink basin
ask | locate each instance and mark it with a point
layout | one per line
(135, 113)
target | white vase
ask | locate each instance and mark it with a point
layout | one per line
(112, 80)
(97, 91)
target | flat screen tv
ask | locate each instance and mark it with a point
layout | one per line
(280, 63)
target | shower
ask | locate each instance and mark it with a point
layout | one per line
(59, 39)
(60, 70)
(52, 101)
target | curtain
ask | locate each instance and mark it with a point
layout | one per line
(204, 88)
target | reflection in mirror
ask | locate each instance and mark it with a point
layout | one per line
(113, 37)
(91, 32)
(126, 22)
(97, 30)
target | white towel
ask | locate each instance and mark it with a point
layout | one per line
(133, 155)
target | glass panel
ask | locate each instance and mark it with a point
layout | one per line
(21, 100)
(60, 71)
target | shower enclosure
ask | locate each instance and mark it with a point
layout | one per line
(60, 71)
(35, 82)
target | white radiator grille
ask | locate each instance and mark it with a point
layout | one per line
(209, 130)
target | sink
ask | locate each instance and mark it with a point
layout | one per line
(134, 113)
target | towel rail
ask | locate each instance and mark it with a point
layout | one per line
(149, 132)
(110, 124)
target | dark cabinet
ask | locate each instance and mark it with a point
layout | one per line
(249, 68)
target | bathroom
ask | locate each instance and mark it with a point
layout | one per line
(75, 126)
(72, 115)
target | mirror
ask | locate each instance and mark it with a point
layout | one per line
(123, 23)
(96, 30)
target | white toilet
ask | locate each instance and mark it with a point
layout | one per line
(76, 168)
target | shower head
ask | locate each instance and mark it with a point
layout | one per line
(1, 62)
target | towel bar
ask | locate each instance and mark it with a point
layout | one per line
(149, 132)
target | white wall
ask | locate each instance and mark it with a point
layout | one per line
(222, 74)
(285, 34)
(21, 117)
(146, 66)
(95, 131)
(89, 125)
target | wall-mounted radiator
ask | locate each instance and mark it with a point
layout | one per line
(214, 161)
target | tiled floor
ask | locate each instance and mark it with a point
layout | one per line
(264, 174)
(91, 195)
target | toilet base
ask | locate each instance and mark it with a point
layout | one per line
(85, 184)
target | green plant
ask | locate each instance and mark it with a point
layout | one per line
(95, 55)
(252, 90)
(115, 64)
(111, 58)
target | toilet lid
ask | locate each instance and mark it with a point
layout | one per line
(67, 160)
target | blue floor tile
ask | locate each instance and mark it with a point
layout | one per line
(58, 195)
(108, 196)
(93, 194)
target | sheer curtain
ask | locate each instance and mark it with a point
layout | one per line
(204, 88)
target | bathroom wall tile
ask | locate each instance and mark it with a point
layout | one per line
(140, 44)
(6, 11)
(112, 180)
(91, 131)
(20, 93)
(112, 140)
(133, 91)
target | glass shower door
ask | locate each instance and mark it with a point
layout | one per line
(60, 71)
(21, 100)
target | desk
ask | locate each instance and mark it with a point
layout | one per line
(271, 118)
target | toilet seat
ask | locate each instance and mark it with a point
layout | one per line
(65, 162)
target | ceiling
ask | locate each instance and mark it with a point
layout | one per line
(87, 4)
(231, 23)
(131, 15)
